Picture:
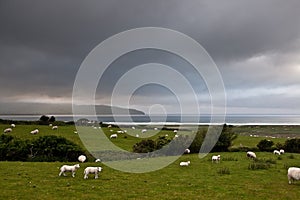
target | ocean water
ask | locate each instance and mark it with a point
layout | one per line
(175, 119)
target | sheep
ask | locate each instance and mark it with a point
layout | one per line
(98, 160)
(120, 132)
(293, 174)
(35, 131)
(113, 136)
(82, 158)
(54, 127)
(92, 170)
(281, 151)
(176, 136)
(7, 130)
(13, 125)
(251, 154)
(184, 163)
(137, 135)
(133, 127)
(187, 151)
(144, 130)
(216, 158)
(68, 168)
(50, 125)
(276, 152)
(175, 131)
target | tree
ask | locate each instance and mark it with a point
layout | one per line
(52, 119)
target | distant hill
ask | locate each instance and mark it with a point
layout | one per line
(42, 108)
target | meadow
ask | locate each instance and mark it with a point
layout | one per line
(229, 179)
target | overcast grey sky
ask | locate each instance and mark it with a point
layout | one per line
(255, 44)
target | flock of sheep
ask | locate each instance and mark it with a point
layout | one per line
(33, 132)
(293, 172)
(74, 168)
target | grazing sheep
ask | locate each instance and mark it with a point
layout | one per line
(251, 154)
(54, 127)
(144, 130)
(281, 151)
(98, 160)
(82, 158)
(184, 163)
(187, 151)
(216, 158)
(68, 168)
(133, 127)
(92, 170)
(276, 152)
(293, 174)
(13, 125)
(113, 136)
(7, 130)
(175, 131)
(176, 136)
(50, 125)
(137, 135)
(35, 131)
(120, 132)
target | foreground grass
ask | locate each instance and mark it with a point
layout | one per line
(201, 180)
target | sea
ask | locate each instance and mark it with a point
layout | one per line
(173, 119)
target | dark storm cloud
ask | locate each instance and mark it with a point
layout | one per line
(42, 43)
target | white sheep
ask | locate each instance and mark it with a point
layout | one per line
(137, 135)
(54, 127)
(35, 131)
(251, 154)
(187, 151)
(98, 160)
(216, 158)
(92, 170)
(120, 132)
(7, 130)
(276, 152)
(281, 151)
(13, 125)
(144, 130)
(50, 125)
(68, 168)
(293, 174)
(184, 163)
(175, 131)
(113, 136)
(82, 158)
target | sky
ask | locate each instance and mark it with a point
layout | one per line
(254, 44)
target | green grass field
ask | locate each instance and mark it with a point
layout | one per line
(229, 179)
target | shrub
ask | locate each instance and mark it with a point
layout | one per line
(292, 145)
(265, 145)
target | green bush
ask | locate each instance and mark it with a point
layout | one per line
(292, 145)
(44, 148)
(265, 145)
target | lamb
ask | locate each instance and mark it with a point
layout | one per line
(251, 154)
(293, 174)
(276, 152)
(68, 168)
(187, 151)
(216, 158)
(13, 125)
(82, 158)
(7, 130)
(184, 163)
(35, 131)
(54, 127)
(92, 170)
(281, 151)
(113, 136)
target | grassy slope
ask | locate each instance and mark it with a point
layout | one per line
(198, 181)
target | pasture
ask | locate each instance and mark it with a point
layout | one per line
(229, 179)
